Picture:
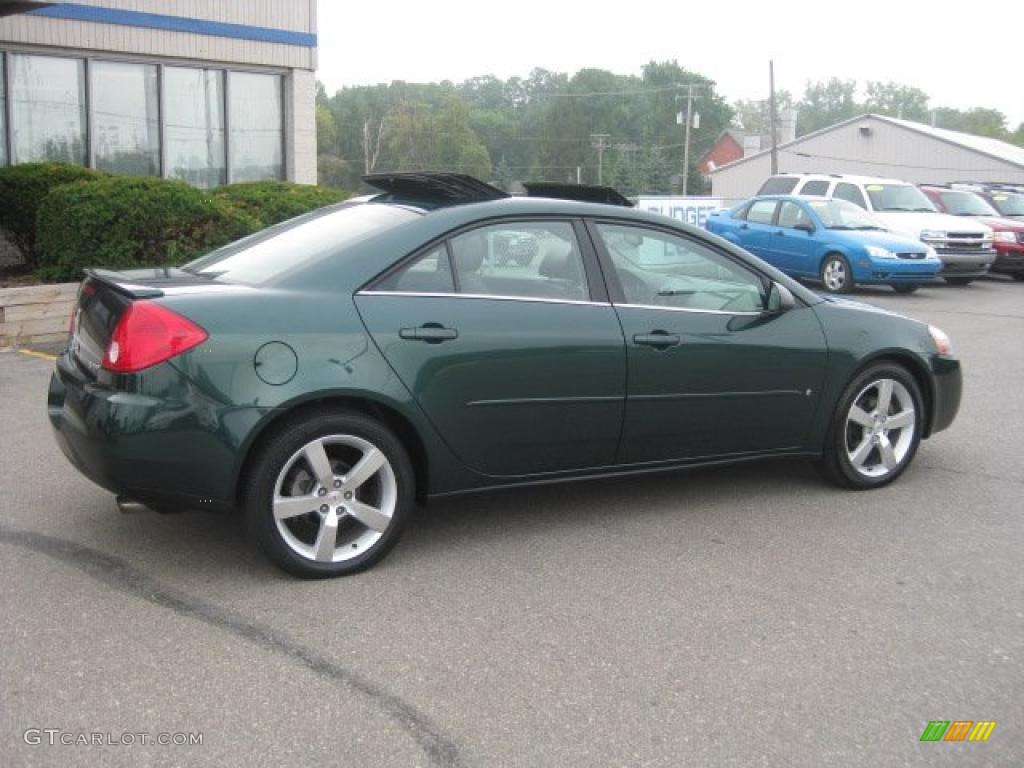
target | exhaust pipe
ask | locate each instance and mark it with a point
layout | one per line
(129, 506)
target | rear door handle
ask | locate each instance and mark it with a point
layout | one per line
(431, 333)
(657, 339)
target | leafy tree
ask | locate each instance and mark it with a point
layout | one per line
(896, 100)
(826, 104)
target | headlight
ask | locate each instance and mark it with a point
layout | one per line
(1004, 237)
(942, 343)
(932, 234)
(876, 252)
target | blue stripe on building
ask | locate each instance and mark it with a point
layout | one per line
(79, 12)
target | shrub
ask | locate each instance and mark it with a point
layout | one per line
(274, 201)
(132, 221)
(22, 189)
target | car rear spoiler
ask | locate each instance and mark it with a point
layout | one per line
(122, 283)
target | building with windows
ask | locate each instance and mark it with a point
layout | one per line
(207, 92)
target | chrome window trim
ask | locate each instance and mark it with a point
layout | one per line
(690, 309)
(445, 295)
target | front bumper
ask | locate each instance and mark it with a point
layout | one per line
(966, 263)
(166, 444)
(1009, 259)
(895, 271)
(947, 389)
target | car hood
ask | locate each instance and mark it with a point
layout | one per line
(913, 222)
(861, 306)
(998, 223)
(893, 241)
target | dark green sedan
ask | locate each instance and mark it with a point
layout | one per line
(329, 373)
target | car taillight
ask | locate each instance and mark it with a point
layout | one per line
(147, 334)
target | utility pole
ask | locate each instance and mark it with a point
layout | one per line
(600, 142)
(686, 141)
(773, 117)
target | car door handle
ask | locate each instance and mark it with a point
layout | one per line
(780, 232)
(432, 333)
(744, 226)
(657, 339)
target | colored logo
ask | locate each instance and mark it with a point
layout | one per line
(958, 730)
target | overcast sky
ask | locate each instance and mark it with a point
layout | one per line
(958, 57)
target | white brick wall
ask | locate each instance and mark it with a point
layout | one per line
(300, 126)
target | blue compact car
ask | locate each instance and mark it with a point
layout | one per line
(833, 241)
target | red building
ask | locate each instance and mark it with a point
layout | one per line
(726, 149)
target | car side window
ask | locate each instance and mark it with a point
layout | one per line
(793, 216)
(850, 193)
(527, 259)
(761, 212)
(778, 185)
(429, 273)
(815, 187)
(659, 269)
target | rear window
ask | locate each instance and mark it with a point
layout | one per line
(778, 185)
(299, 243)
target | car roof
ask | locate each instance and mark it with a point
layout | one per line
(850, 177)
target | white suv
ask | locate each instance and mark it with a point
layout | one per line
(965, 247)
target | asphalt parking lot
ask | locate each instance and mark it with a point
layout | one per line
(747, 616)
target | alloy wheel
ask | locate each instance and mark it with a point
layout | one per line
(880, 428)
(834, 275)
(334, 498)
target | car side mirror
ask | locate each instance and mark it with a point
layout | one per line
(780, 299)
(805, 227)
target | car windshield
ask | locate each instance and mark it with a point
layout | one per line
(898, 197)
(1009, 205)
(966, 204)
(840, 214)
(286, 247)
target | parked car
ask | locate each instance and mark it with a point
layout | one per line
(1008, 199)
(964, 247)
(1007, 234)
(834, 241)
(327, 374)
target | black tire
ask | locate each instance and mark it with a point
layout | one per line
(832, 264)
(904, 288)
(959, 280)
(261, 479)
(835, 463)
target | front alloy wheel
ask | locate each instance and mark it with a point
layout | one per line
(836, 275)
(328, 496)
(876, 429)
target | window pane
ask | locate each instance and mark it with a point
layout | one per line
(657, 269)
(257, 127)
(851, 193)
(125, 110)
(816, 187)
(194, 99)
(3, 113)
(430, 273)
(761, 212)
(528, 259)
(48, 96)
(792, 215)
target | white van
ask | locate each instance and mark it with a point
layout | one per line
(965, 247)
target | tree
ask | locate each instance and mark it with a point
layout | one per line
(826, 104)
(896, 100)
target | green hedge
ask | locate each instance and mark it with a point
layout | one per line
(22, 190)
(274, 201)
(132, 221)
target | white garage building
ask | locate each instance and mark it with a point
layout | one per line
(208, 92)
(875, 145)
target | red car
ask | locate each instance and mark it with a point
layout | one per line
(1008, 234)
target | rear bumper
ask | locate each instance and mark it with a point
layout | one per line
(947, 382)
(171, 451)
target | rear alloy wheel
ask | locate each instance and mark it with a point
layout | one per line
(876, 428)
(329, 496)
(959, 280)
(836, 275)
(904, 288)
